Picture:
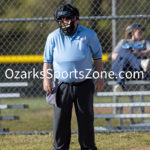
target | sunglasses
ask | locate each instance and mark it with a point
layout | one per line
(66, 17)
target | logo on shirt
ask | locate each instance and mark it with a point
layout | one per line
(83, 38)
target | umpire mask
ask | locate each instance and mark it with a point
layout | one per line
(67, 12)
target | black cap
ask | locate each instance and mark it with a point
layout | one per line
(66, 10)
(136, 26)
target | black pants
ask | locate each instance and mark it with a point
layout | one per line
(82, 97)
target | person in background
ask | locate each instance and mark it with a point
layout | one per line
(70, 49)
(129, 54)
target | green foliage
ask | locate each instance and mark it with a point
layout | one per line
(29, 37)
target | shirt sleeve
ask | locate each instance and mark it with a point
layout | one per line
(147, 45)
(95, 46)
(49, 48)
(118, 46)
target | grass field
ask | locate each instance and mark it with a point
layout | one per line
(39, 118)
(113, 141)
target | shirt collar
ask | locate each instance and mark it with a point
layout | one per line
(77, 32)
(78, 28)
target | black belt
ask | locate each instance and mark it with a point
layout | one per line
(76, 83)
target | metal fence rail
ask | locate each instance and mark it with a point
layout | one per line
(81, 18)
(97, 130)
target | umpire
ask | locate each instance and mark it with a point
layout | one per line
(69, 51)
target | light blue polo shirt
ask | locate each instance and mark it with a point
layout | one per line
(72, 55)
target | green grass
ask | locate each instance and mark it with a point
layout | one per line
(113, 141)
(39, 118)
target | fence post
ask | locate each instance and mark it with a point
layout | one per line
(0, 111)
(114, 23)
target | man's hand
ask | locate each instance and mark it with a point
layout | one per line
(47, 85)
(135, 52)
(99, 84)
(142, 54)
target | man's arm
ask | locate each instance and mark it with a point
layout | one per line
(99, 67)
(47, 84)
(114, 55)
(117, 49)
(144, 53)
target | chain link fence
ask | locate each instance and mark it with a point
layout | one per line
(25, 25)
